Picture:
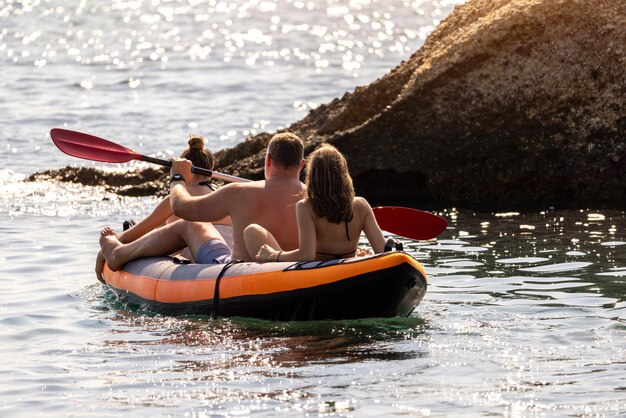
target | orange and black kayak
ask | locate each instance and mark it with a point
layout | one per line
(384, 285)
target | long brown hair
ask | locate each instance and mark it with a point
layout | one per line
(197, 154)
(329, 185)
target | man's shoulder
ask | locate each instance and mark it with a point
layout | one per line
(243, 185)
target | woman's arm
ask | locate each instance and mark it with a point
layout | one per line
(372, 231)
(155, 219)
(306, 238)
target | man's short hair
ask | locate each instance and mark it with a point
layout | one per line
(286, 149)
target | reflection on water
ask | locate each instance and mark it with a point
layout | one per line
(525, 315)
(516, 251)
(265, 365)
(287, 343)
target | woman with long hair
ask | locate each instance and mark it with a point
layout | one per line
(330, 219)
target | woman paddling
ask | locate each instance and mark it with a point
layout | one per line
(162, 214)
(330, 219)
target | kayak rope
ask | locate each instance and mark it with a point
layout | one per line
(215, 307)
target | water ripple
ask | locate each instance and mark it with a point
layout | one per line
(558, 267)
(522, 260)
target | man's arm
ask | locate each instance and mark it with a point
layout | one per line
(207, 208)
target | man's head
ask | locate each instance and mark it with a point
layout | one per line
(285, 151)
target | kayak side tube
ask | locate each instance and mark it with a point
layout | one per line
(383, 285)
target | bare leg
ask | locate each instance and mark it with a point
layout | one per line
(197, 233)
(255, 236)
(161, 241)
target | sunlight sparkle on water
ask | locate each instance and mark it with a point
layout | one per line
(53, 199)
(160, 32)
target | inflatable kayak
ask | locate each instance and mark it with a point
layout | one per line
(384, 285)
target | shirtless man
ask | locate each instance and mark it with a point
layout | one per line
(269, 203)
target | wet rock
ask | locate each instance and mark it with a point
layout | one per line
(147, 182)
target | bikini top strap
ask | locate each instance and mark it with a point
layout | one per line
(207, 183)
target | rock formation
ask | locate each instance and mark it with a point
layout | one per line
(147, 182)
(508, 103)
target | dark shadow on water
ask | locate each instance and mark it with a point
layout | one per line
(372, 339)
(354, 328)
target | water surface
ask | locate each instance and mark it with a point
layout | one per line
(524, 315)
(516, 321)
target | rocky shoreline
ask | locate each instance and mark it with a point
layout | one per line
(509, 103)
(146, 182)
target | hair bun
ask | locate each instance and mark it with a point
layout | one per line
(196, 141)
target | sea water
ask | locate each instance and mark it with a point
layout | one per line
(524, 314)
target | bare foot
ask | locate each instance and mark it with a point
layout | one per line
(110, 246)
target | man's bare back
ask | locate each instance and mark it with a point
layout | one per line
(270, 202)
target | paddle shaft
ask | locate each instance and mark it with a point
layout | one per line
(194, 169)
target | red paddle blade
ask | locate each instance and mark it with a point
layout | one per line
(409, 223)
(89, 147)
